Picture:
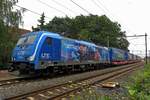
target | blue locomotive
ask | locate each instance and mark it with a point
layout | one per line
(50, 52)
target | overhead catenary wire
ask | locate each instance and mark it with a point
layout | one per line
(51, 7)
(137, 44)
(81, 7)
(105, 9)
(112, 15)
(64, 6)
(103, 6)
(31, 11)
(133, 39)
(98, 6)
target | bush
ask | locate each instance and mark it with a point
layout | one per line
(139, 88)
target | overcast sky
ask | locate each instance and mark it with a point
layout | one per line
(133, 15)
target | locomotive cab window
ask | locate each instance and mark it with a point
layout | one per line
(48, 41)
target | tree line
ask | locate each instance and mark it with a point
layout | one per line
(93, 28)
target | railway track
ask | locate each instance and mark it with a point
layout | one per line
(62, 90)
(20, 80)
(13, 81)
(23, 79)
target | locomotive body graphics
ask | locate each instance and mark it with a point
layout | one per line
(74, 51)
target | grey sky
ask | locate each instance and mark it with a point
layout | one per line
(133, 15)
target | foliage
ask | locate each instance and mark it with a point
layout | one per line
(41, 21)
(93, 28)
(8, 14)
(139, 89)
(9, 21)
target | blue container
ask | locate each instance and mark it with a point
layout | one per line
(117, 54)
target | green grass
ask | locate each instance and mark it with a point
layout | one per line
(139, 86)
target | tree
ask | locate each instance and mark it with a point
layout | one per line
(9, 18)
(8, 14)
(41, 21)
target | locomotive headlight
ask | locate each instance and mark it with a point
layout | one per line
(30, 58)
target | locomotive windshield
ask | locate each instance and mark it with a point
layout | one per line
(26, 40)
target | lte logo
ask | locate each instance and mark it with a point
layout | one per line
(45, 55)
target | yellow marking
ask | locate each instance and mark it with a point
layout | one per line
(42, 95)
(50, 92)
(58, 90)
(75, 85)
(71, 86)
(90, 91)
(85, 83)
(16, 81)
(70, 81)
(89, 88)
(30, 98)
(63, 98)
(79, 83)
(64, 88)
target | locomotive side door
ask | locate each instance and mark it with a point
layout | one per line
(46, 51)
(51, 50)
(56, 50)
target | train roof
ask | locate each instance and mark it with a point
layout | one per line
(52, 34)
(102, 47)
(118, 49)
(56, 35)
(80, 41)
(86, 43)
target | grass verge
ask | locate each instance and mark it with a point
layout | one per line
(139, 85)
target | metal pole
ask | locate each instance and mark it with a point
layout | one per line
(145, 44)
(146, 47)
(108, 47)
(108, 41)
